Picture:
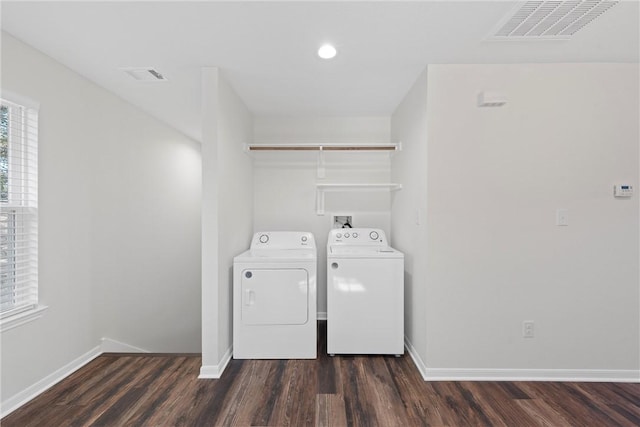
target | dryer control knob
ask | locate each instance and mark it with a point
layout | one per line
(374, 235)
(264, 238)
(304, 238)
(346, 234)
(354, 235)
(339, 235)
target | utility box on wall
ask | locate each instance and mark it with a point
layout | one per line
(342, 221)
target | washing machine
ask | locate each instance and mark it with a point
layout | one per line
(274, 297)
(365, 293)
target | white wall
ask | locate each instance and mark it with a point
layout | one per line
(494, 256)
(146, 201)
(409, 207)
(285, 182)
(119, 204)
(227, 213)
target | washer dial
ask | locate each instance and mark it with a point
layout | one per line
(264, 238)
(374, 235)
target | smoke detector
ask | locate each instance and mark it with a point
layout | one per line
(551, 20)
(145, 74)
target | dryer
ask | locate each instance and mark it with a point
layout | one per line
(274, 297)
(365, 293)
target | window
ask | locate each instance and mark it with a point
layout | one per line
(18, 209)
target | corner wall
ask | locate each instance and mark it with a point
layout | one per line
(146, 201)
(409, 210)
(227, 212)
(119, 207)
(496, 258)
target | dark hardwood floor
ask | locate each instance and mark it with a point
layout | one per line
(163, 390)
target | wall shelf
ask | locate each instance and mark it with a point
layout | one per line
(321, 188)
(319, 151)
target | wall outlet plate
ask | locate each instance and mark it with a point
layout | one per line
(562, 217)
(527, 329)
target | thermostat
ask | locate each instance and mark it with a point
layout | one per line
(622, 190)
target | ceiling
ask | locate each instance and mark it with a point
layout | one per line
(267, 50)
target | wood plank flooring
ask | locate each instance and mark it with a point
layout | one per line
(163, 390)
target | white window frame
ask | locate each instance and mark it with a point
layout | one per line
(22, 205)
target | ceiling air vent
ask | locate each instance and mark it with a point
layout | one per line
(553, 20)
(145, 74)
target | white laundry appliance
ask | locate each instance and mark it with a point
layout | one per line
(274, 297)
(365, 293)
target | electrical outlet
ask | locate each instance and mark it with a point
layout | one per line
(562, 217)
(527, 329)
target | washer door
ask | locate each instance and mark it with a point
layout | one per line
(275, 296)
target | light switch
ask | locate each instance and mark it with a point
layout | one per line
(562, 217)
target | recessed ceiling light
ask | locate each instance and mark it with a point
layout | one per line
(327, 51)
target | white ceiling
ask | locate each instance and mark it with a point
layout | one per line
(267, 50)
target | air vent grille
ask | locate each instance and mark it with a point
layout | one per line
(145, 74)
(551, 19)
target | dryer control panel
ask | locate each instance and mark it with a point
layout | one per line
(283, 240)
(357, 236)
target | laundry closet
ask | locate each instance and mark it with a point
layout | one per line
(300, 186)
(245, 191)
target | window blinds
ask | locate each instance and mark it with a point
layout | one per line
(18, 208)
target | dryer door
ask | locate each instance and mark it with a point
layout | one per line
(275, 296)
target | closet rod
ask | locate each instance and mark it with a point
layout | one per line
(322, 148)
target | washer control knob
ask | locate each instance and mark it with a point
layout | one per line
(304, 238)
(264, 238)
(339, 235)
(346, 234)
(354, 235)
(374, 235)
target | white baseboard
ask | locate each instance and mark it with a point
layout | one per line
(568, 375)
(428, 374)
(107, 345)
(215, 371)
(417, 360)
(17, 400)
